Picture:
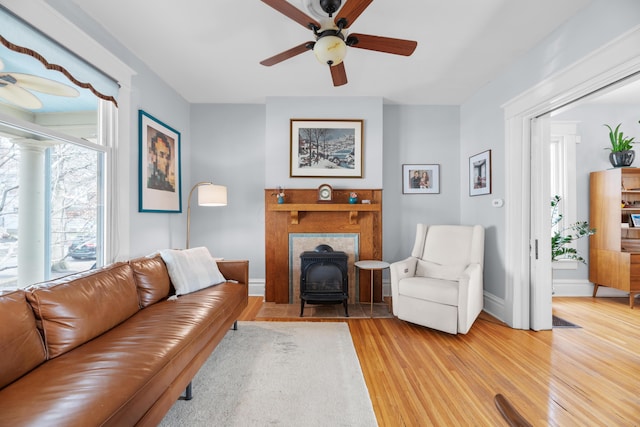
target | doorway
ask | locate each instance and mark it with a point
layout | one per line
(528, 279)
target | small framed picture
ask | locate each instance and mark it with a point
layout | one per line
(420, 179)
(480, 174)
(635, 220)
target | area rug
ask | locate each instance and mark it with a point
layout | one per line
(279, 374)
(559, 322)
(271, 310)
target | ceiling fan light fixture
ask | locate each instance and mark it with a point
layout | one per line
(330, 50)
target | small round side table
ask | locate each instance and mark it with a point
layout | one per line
(372, 265)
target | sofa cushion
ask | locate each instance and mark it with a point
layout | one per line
(75, 309)
(191, 269)
(21, 346)
(439, 271)
(152, 279)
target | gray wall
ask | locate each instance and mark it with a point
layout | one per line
(228, 148)
(256, 139)
(482, 124)
(418, 135)
(277, 138)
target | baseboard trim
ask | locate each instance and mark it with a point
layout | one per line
(494, 306)
(256, 287)
(583, 288)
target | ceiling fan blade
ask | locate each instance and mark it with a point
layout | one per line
(42, 85)
(286, 54)
(338, 74)
(351, 10)
(382, 44)
(20, 97)
(292, 12)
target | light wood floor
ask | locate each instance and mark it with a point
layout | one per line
(588, 376)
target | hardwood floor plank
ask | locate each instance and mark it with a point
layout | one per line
(568, 376)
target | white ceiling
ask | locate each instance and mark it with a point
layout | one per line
(209, 50)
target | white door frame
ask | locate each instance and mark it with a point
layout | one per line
(616, 60)
(541, 284)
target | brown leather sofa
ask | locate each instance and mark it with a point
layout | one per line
(108, 348)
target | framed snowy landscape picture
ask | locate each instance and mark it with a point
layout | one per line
(326, 148)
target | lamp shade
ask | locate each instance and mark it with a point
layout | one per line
(212, 195)
(330, 50)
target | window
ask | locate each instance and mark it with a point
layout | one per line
(56, 140)
(563, 176)
(53, 219)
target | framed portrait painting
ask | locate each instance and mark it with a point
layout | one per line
(420, 179)
(326, 148)
(159, 166)
(480, 174)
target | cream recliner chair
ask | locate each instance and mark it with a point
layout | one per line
(440, 284)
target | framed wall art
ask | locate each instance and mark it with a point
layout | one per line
(480, 174)
(420, 179)
(159, 166)
(326, 148)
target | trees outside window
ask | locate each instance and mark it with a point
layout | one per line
(73, 220)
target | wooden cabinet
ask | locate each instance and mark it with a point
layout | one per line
(614, 250)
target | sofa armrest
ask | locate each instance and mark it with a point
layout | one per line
(237, 270)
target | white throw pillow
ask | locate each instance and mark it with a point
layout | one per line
(191, 269)
(439, 271)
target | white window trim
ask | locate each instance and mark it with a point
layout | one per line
(564, 135)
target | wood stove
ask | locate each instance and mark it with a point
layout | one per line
(324, 278)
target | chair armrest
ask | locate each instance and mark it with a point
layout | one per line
(403, 269)
(470, 296)
(397, 271)
(237, 270)
(473, 273)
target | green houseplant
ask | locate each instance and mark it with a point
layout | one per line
(562, 236)
(622, 153)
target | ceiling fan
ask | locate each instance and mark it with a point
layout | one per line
(15, 88)
(331, 42)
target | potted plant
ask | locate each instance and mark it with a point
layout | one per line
(562, 235)
(622, 153)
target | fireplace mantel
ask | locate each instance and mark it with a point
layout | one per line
(295, 209)
(301, 213)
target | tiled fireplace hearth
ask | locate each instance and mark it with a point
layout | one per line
(301, 223)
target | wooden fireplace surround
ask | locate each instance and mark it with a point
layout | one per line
(302, 213)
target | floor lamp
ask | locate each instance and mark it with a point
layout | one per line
(209, 194)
